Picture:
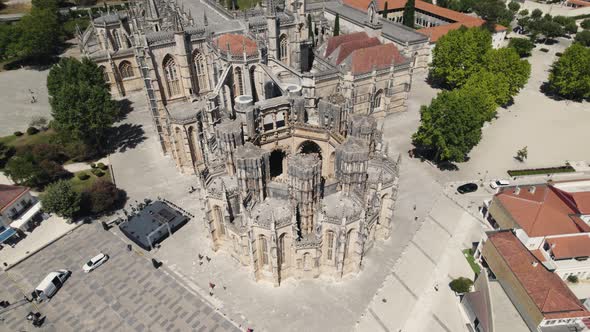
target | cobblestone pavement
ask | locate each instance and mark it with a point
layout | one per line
(125, 294)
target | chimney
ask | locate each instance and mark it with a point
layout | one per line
(532, 189)
(516, 190)
(535, 263)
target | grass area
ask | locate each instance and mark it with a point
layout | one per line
(83, 185)
(16, 8)
(538, 171)
(468, 253)
(247, 4)
(26, 139)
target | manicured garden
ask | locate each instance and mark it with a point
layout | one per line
(539, 171)
(82, 181)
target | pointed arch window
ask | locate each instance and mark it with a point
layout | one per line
(282, 250)
(283, 48)
(378, 99)
(263, 249)
(200, 69)
(171, 73)
(116, 39)
(126, 69)
(330, 245)
(239, 85)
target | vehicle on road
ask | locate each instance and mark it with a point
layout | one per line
(499, 183)
(51, 284)
(467, 188)
(95, 262)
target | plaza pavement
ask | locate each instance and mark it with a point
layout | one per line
(124, 294)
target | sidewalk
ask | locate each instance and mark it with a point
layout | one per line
(77, 167)
(48, 232)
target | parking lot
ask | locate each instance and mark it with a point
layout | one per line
(124, 294)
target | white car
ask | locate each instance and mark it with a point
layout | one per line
(95, 262)
(499, 183)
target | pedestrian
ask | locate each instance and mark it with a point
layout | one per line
(436, 287)
(414, 207)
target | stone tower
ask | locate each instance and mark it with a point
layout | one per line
(252, 168)
(352, 164)
(305, 183)
(229, 137)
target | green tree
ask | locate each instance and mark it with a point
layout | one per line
(522, 46)
(523, 12)
(494, 85)
(451, 126)
(550, 29)
(493, 12)
(61, 199)
(385, 10)
(40, 34)
(522, 154)
(458, 55)
(409, 13)
(461, 285)
(507, 62)
(101, 197)
(47, 4)
(583, 37)
(81, 102)
(570, 74)
(585, 24)
(337, 25)
(10, 34)
(6, 152)
(513, 6)
(536, 14)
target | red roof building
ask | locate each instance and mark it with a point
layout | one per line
(9, 195)
(540, 296)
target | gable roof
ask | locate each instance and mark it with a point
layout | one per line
(542, 212)
(336, 41)
(378, 57)
(346, 49)
(9, 194)
(570, 246)
(546, 289)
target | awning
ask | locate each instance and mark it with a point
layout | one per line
(25, 217)
(7, 234)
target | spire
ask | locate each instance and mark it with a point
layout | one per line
(151, 12)
(270, 8)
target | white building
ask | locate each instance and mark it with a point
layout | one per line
(17, 208)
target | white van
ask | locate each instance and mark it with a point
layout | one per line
(49, 286)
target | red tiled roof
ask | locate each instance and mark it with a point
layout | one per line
(580, 3)
(237, 44)
(351, 46)
(549, 293)
(538, 254)
(541, 213)
(570, 246)
(9, 194)
(380, 56)
(334, 42)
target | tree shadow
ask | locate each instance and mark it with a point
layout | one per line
(428, 155)
(124, 137)
(125, 107)
(39, 64)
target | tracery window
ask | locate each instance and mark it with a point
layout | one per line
(200, 68)
(239, 85)
(263, 248)
(126, 69)
(283, 49)
(172, 80)
(116, 39)
(330, 244)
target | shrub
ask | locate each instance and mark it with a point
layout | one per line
(102, 196)
(83, 176)
(102, 166)
(461, 285)
(32, 131)
(97, 172)
(78, 151)
(573, 279)
(583, 37)
(585, 24)
(100, 174)
(18, 133)
(92, 165)
(45, 151)
(544, 50)
(558, 53)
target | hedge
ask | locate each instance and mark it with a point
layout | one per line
(18, 133)
(32, 131)
(83, 176)
(537, 171)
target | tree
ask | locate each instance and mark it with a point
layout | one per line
(461, 285)
(81, 102)
(493, 12)
(61, 199)
(513, 6)
(10, 34)
(583, 37)
(570, 74)
(522, 46)
(337, 25)
(458, 55)
(550, 29)
(523, 12)
(47, 4)
(6, 152)
(385, 11)
(492, 84)
(40, 34)
(451, 126)
(536, 14)
(572, 278)
(507, 62)
(522, 154)
(567, 23)
(409, 13)
(585, 24)
(101, 197)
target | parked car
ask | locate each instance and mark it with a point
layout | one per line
(467, 188)
(499, 183)
(51, 284)
(95, 262)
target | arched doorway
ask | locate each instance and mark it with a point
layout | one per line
(310, 147)
(277, 160)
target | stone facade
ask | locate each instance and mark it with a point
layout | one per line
(295, 178)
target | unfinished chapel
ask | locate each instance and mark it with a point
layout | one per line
(277, 118)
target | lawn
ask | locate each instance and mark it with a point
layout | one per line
(468, 254)
(83, 185)
(26, 139)
(16, 8)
